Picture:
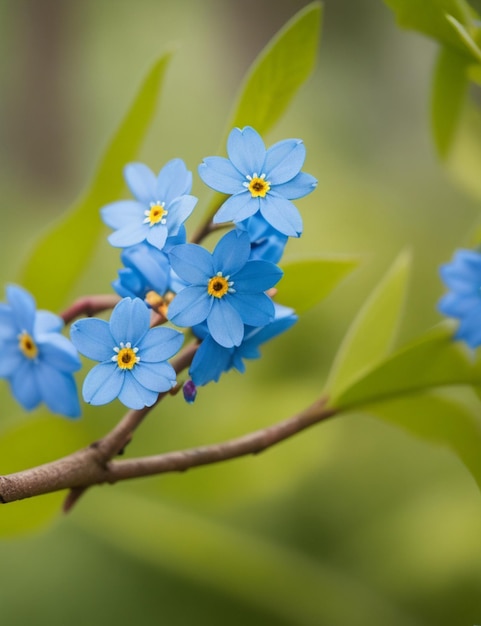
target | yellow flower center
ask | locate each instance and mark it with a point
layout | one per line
(258, 186)
(126, 356)
(219, 285)
(27, 345)
(155, 214)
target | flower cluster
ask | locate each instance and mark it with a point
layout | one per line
(224, 296)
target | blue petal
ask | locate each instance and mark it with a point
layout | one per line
(254, 309)
(23, 306)
(103, 383)
(154, 376)
(179, 211)
(219, 174)
(92, 338)
(284, 160)
(8, 325)
(225, 324)
(192, 263)
(141, 182)
(159, 344)
(256, 276)
(134, 395)
(11, 359)
(282, 215)
(210, 360)
(46, 322)
(118, 214)
(130, 321)
(298, 187)
(246, 150)
(58, 391)
(231, 252)
(130, 235)
(190, 306)
(157, 235)
(174, 180)
(150, 264)
(57, 351)
(237, 208)
(24, 385)
(454, 305)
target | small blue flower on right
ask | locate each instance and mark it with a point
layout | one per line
(259, 180)
(463, 302)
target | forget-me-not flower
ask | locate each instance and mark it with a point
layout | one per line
(37, 360)
(463, 302)
(259, 180)
(133, 357)
(147, 269)
(162, 204)
(224, 288)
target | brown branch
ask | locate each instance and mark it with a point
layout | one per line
(88, 306)
(85, 468)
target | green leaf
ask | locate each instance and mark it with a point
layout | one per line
(439, 419)
(434, 360)
(465, 37)
(278, 72)
(275, 77)
(371, 335)
(450, 86)
(307, 282)
(429, 17)
(61, 255)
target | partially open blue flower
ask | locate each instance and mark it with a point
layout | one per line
(224, 288)
(211, 359)
(267, 243)
(133, 357)
(260, 180)
(162, 204)
(147, 269)
(37, 360)
(463, 302)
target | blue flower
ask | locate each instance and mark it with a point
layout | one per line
(224, 288)
(259, 180)
(211, 359)
(37, 360)
(133, 357)
(146, 269)
(161, 206)
(463, 277)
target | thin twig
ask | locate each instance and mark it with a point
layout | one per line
(88, 306)
(82, 469)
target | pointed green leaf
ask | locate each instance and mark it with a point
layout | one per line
(307, 282)
(465, 38)
(371, 335)
(429, 17)
(278, 72)
(450, 86)
(439, 419)
(434, 360)
(60, 255)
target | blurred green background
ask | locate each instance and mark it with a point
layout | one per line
(354, 522)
